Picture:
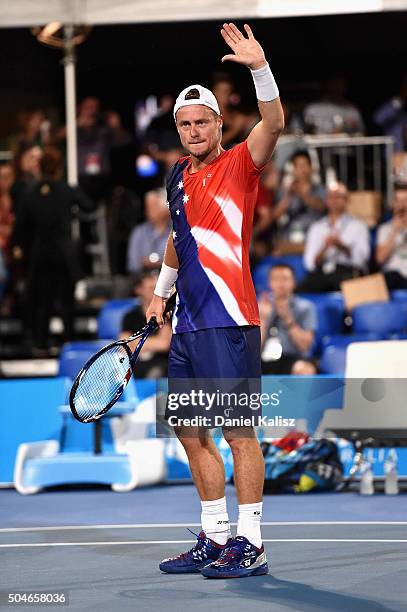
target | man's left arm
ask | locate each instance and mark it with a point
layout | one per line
(247, 51)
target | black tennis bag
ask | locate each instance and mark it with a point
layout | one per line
(313, 466)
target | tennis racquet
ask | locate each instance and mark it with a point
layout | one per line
(104, 377)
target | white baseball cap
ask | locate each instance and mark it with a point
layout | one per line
(196, 94)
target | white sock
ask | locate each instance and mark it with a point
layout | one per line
(248, 522)
(215, 520)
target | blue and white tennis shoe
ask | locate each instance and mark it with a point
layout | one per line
(238, 559)
(205, 551)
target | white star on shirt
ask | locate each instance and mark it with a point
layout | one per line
(177, 211)
(180, 185)
(185, 198)
(174, 235)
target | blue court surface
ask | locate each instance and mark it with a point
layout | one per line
(326, 551)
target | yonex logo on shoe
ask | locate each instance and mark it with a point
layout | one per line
(222, 523)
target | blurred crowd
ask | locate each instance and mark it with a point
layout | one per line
(124, 170)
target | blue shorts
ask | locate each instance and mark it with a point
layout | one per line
(213, 370)
(219, 352)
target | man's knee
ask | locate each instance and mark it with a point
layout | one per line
(193, 440)
(240, 439)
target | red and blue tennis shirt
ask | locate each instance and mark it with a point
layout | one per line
(212, 215)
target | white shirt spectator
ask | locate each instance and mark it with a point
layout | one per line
(329, 118)
(397, 262)
(352, 232)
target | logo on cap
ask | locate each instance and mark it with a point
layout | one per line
(192, 94)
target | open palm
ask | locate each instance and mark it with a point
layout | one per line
(246, 51)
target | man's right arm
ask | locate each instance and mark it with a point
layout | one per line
(165, 282)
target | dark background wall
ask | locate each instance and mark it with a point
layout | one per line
(123, 63)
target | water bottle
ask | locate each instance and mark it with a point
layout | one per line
(391, 485)
(366, 478)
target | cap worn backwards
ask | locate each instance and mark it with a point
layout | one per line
(196, 94)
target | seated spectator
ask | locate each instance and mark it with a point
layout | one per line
(337, 247)
(391, 250)
(300, 202)
(147, 241)
(333, 114)
(392, 117)
(152, 362)
(288, 325)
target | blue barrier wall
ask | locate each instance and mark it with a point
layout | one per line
(28, 413)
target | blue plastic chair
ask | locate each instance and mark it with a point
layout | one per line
(111, 316)
(330, 314)
(260, 274)
(333, 360)
(399, 296)
(74, 435)
(380, 317)
(345, 339)
(74, 355)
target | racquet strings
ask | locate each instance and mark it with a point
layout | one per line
(101, 382)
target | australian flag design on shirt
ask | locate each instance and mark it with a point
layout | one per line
(212, 215)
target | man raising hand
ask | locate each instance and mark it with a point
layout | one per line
(211, 196)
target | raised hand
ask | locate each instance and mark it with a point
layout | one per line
(246, 51)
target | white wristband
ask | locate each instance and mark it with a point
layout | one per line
(266, 87)
(165, 281)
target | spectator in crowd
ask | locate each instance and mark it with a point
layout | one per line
(27, 173)
(263, 228)
(337, 246)
(6, 223)
(35, 131)
(293, 120)
(333, 114)
(288, 325)
(124, 211)
(391, 250)
(147, 241)
(161, 141)
(6, 208)
(117, 134)
(53, 267)
(152, 362)
(300, 202)
(93, 150)
(161, 134)
(234, 121)
(392, 117)
(121, 147)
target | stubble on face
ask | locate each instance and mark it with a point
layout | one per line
(208, 131)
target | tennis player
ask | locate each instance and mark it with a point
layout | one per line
(211, 196)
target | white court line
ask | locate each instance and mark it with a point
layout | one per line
(127, 543)
(171, 525)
